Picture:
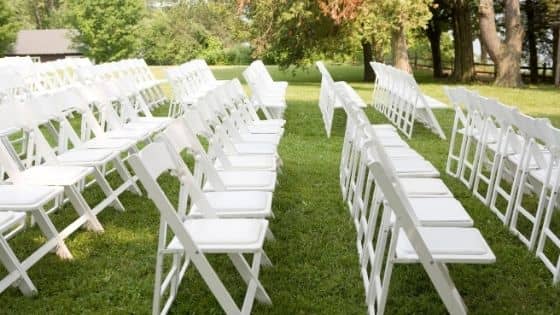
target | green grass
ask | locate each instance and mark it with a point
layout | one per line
(316, 265)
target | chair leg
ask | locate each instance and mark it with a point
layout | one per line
(17, 273)
(50, 232)
(446, 288)
(126, 176)
(250, 276)
(107, 190)
(83, 209)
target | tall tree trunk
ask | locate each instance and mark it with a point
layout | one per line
(369, 75)
(505, 54)
(399, 49)
(463, 70)
(555, 40)
(434, 35)
(532, 38)
(557, 58)
(483, 52)
(37, 15)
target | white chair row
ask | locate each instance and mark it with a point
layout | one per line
(267, 94)
(134, 70)
(51, 174)
(511, 163)
(397, 95)
(403, 213)
(189, 81)
(38, 78)
(329, 96)
(224, 198)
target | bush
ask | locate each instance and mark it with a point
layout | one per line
(239, 55)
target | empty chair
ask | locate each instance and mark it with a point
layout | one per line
(193, 239)
(433, 247)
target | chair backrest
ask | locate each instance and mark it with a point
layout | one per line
(151, 162)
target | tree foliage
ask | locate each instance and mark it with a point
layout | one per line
(295, 32)
(107, 29)
(8, 26)
(41, 14)
(209, 30)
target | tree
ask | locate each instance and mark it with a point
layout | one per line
(433, 32)
(41, 14)
(553, 13)
(8, 27)
(107, 29)
(506, 54)
(404, 16)
(209, 30)
(463, 68)
(299, 32)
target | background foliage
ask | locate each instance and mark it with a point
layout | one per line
(8, 26)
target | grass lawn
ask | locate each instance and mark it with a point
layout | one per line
(316, 267)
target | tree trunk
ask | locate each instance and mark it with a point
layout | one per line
(399, 49)
(369, 75)
(506, 55)
(37, 15)
(483, 52)
(463, 70)
(434, 35)
(555, 37)
(557, 59)
(532, 38)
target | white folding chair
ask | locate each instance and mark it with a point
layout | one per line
(548, 248)
(473, 134)
(15, 202)
(457, 98)
(195, 238)
(410, 242)
(508, 167)
(535, 177)
(492, 147)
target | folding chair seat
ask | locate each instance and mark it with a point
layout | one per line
(405, 166)
(447, 245)
(237, 204)
(53, 175)
(194, 238)
(243, 180)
